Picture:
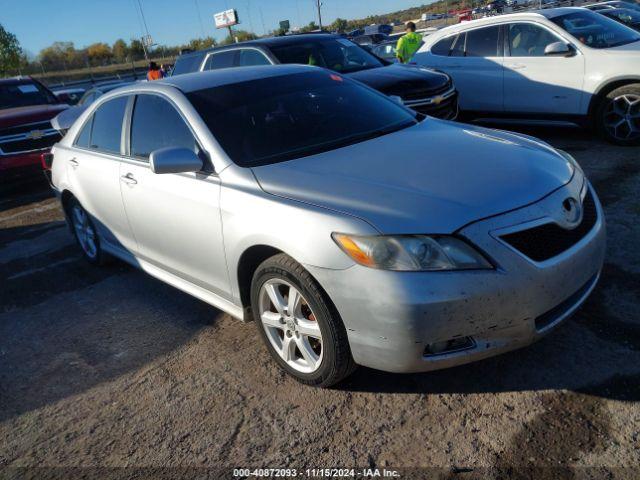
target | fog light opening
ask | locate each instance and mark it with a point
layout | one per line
(449, 346)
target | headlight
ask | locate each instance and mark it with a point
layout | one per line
(411, 252)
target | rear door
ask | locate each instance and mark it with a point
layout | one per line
(175, 217)
(474, 59)
(534, 82)
(93, 171)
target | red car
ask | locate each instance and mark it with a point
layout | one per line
(26, 110)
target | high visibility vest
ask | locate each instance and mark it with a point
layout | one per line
(154, 75)
(407, 46)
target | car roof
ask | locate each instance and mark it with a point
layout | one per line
(190, 82)
(267, 42)
(15, 80)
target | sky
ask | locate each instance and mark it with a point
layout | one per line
(38, 23)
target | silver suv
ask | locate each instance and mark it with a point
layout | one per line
(353, 230)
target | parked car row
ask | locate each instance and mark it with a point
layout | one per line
(267, 188)
(567, 65)
(425, 90)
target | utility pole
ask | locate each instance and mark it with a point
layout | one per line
(319, 4)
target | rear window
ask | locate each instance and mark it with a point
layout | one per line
(270, 120)
(483, 42)
(24, 94)
(220, 60)
(187, 64)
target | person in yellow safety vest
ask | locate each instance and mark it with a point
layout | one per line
(408, 44)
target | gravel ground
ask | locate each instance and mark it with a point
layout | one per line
(107, 367)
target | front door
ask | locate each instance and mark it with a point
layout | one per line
(175, 217)
(534, 82)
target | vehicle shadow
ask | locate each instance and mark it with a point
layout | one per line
(19, 192)
(67, 326)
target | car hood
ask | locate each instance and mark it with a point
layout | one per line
(12, 117)
(434, 177)
(402, 80)
(632, 50)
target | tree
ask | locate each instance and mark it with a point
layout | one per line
(241, 35)
(136, 50)
(339, 25)
(120, 51)
(310, 28)
(99, 53)
(10, 52)
(201, 43)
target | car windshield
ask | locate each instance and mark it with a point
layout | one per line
(595, 30)
(24, 94)
(338, 54)
(627, 16)
(270, 120)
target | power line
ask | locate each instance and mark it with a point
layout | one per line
(199, 18)
(144, 20)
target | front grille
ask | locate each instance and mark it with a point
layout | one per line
(28, 144)
(421, 93)
(549, 318)
(550, 239)
(447, 109)
(30, 127)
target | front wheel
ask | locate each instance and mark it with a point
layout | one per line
(299, 326)
(618, 116)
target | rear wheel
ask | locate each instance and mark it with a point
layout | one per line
(85, 233)
(299, 326)
(618, 116)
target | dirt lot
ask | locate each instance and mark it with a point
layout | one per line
(109, 367)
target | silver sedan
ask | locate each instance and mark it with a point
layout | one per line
(352, 230)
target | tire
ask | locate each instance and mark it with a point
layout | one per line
(85, 233)
(620, 107)
(327, 359)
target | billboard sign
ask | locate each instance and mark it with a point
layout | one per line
(285, 25)
(226, 19)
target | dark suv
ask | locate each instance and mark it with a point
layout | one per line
(427, 91)
(26, 110)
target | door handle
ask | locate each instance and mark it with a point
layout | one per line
(129, 179)
(517, 66)
(74, 163)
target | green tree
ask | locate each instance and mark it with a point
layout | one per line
(10, 52)
(99, 53)
(310, 28)
(136, 50)
(201, 43)
(241, 35)
(120, 51)
(339, 25)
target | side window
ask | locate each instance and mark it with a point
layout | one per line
(443, 47)
(528, 40)
(220, 60)
(249, 56)
(107, 125)
(483, 42)
(457, 50)
(157, 124)
(82, 140)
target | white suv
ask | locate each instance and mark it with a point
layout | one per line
(558, 65)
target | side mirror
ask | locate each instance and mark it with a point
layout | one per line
(174, 160)
(559, 49)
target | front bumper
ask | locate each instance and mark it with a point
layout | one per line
(393, 319)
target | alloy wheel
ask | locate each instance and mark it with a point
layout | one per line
(290, 325)
(84, 231)
(622, 117)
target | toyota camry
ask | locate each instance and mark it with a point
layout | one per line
(351, 229)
